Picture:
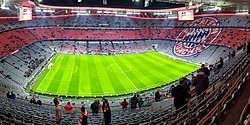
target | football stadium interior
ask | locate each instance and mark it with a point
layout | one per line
(124, 62)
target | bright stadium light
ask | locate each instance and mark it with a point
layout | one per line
(135, 0)
(190, 3)
(4, 7)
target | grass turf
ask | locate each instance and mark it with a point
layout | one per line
(99, 75)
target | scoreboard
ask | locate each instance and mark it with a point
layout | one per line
(25, 13)
(186, 15)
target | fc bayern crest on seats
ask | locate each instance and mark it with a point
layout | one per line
(192, 41)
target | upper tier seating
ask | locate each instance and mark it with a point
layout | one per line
(119, 22)
(13, 40)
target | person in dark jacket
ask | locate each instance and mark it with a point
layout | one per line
(200, 83)
(84, 116)
(95, 107)
(8, 95)
(106, 112)
(39, 102)
(248, 47)
(33, 100)
(205, 70)
(180, 94)
(55, 101)
(157, 95)
(133, 102)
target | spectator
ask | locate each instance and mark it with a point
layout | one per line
(233, 54)
(106, 112)
(68, 107)
(39, 102)
(140, 102)
(180, 94)
(133, 102)
(33, 100)
(220, 63)
(229, 55)
(8, 95)
(205, 70)
(84, 116)
(201, 83)
(12, 96)
(187, 82)
(95, 107)
(157, 95)
(58, 113)
(124, 104)
(55, 101)
(248, 47)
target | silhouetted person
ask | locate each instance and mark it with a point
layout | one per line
(106, 112)
(201, 83)
(33, 100)
(133, 102)
(124, 104)
(8, 95)
(157, 96)
(248, 47)
(205, 69)
(12, 96)
(180, 94)
(58, 113)
(39, 102)
(55, 101)
(83, 120)
(95, 107)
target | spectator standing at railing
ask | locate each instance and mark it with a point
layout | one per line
(33, 100)
(56, 101)
(58, 113)
(8, 95)
(248, 47)
(84, 116)
(180, 94)
(157, 95)
(200, 83)
(39, 102)
(13, 96)
(124, 104)
(133, 102)
(140, 102)
(95, 106)
(68, 108)
(106, 112)
(205, 70)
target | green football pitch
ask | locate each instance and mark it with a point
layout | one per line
(102, 75)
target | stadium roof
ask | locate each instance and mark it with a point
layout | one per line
(10, 7)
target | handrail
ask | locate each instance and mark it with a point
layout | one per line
(223, 100)
(243, 113)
